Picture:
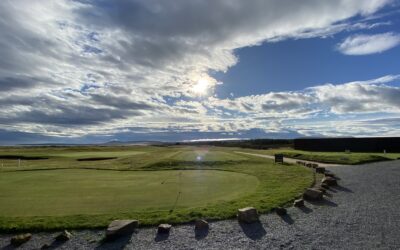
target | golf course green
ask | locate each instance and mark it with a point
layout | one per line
(80, 191)
(48, 188)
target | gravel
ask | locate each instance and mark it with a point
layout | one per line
(362, 213)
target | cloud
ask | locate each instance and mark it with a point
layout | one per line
(80, 68)
(360, 97)
(369, 44)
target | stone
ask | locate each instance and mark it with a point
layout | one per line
(20, 239)
(326, 186)
(329, 181)
(280, 211)
(309, 165)
(330, 175)
(121, 227)
(323, 190)
(320, 170)
(314, 165)
(248, 215)
(64, 236)
(164, 228)
(201, 225)
(45, 246)
(312, 194)
(298, 203)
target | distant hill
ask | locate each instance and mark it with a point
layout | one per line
(132, 143)
(251, 143)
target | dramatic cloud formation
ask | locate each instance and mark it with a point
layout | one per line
(369, 44)
(82, 68)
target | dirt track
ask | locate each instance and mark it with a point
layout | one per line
(362, 213)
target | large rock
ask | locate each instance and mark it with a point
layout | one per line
(320, 170)
(45, 246)
(201, 225)
(325, 186)
(64, 236)
(248, 215)
(330, 181)
(312, 194)
(280, 211)
(322, 189)
(121, 227)
(298, 203)
(164, 228)
(327, 174)
(20, 239)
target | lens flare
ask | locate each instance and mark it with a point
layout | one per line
(201, 87)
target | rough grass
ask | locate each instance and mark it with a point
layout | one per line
(70, 197)
(332, 157)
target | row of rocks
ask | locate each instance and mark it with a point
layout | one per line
(316, 193)
(307, 164)
(250, 215)
(120, 228)
(20, 239)
(315, 166)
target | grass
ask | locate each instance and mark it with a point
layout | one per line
(82, 191)
(332, 157)
(158, 184)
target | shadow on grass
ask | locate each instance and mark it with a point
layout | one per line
(200, 234)
(254, 230)
(116, 243)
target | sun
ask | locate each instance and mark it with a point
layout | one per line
(201, 87)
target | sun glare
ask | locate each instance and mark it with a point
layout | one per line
(201, 87)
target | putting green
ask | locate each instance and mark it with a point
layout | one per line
(79, 191)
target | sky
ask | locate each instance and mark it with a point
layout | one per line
(92, 71)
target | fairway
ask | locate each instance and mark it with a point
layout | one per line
(97, 154)
(173, 184)
(71, 192)
(351, 158)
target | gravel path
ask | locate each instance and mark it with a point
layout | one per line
(362, 213)
(290, 160)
